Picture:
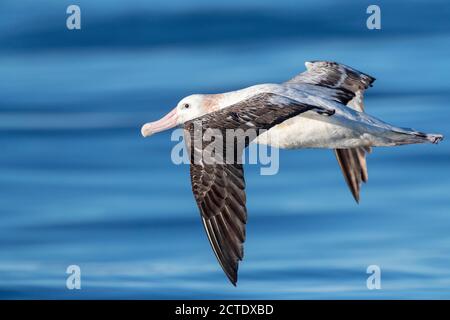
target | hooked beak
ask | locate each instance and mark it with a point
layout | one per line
(167, 122)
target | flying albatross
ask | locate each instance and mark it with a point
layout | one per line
(319, 108)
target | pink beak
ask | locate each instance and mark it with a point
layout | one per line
(167, 122)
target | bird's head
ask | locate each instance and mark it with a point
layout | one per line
(188, 108)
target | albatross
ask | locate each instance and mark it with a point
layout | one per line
(321, 107)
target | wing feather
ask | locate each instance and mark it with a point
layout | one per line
(348, 80)
(219, 188)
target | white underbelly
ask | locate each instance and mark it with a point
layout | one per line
(303, 132)
(347, 128)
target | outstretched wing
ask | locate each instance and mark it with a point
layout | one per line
(341, 77)
(220, 194)
(333, 75)
(354, 168)
(218, 182)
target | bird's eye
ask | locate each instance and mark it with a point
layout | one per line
(186, 106)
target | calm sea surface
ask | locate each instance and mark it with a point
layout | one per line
(78, 184)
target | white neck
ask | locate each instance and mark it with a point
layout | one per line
(229, 98)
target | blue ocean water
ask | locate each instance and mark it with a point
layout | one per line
(78, 184)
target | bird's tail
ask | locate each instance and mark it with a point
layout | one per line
(411, 136)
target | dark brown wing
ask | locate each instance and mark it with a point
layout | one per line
(354, 167)
(334, 75)
(220, 194)
(353, 161)
(219, 188)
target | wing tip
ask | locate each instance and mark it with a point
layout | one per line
(366, 79)
(233, 277)
(356, 197)
(347, 158)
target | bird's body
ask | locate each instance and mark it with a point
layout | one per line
(348, 128)
(319, 108)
